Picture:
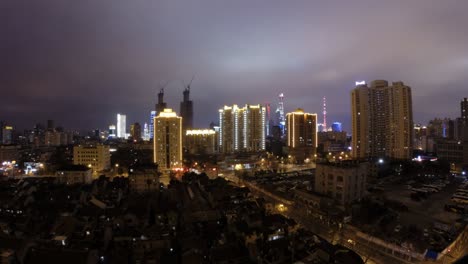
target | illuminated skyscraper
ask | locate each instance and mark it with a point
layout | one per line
(227, 129)
(121, 126)
(146, 133)
(242, 129)
(324, 124)
(186, 110)
(302, 134)
(151, 126)
(167, 140)
(280, 113)
(268, 121)
(336, 127)
(382, 120)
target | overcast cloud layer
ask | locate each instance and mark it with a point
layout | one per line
(81, 62)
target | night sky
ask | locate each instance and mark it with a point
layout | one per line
(80, 62)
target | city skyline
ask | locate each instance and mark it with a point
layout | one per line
(55, 72)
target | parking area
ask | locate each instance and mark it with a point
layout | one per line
(428, 208)
(426, 214)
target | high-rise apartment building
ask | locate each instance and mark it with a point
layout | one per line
(96, 157)
(301, 134)
(121, 126)
(382, 120)
(167, 140)
(242, 129)
(186, 110)
(200, 141)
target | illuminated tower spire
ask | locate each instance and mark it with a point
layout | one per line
(324, 114)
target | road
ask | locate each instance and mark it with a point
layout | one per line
(370, 251)
(367, 250)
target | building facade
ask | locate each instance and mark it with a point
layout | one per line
(301, 134)
(7, 135)
(382, 120)
(143, 178)
(464, 108)
(242, 129)
(167, 140)
(441, 128)
(462, 122)
(77, 174)
(343, 181)
(151, 124)
(336, 127)
(95, 157)
(112, 131)
(121, 126)
(200, 141)
(161, 105)
(135, 131)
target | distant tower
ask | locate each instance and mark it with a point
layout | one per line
(186, 109)
(146, 132)
(464, 109)
(324, 128)
(121, 126)
(50, 125)
(280, 113)
(161, 105)
(151, 124)
(268, 120)
(135, 131)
